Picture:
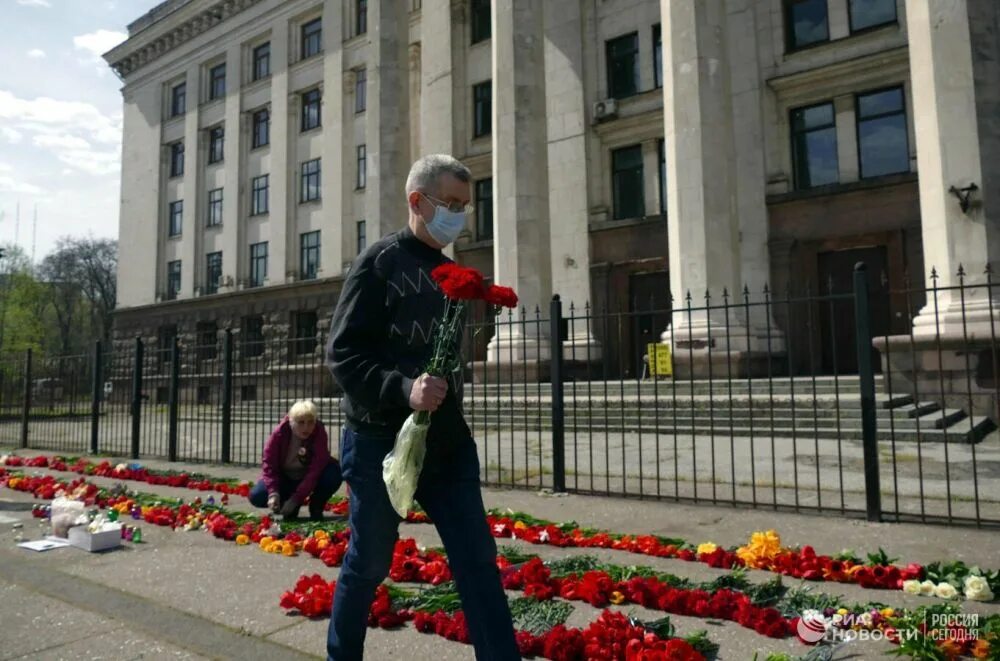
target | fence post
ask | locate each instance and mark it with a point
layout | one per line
(95, 399)
(227, 395)
(558, 405)
(27, 399)
(175, 377)
(137, 397)
(866, 376)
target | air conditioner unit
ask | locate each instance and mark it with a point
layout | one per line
(604, 110)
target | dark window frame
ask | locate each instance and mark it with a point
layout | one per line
(261, 128)
(258, 264)
(361, 23)
(480, 21)
(261, 61)
(620, 211)
(791, 45)
(309, 255)
(178, 102)
(614, 90)
(484, 209)
(175, 218)
(213, 217)
(213, 265)
(260, 195)
(312, 110)
(216, 145)
(482, 109)
(217, 82)
(657, 56)
(362, 165)
(311, 181)
(360, 91)
(794, 133)
(173, 279)
(361, 230)
(661, 175)
(177, 159)
(207, 334)
(874, 26)
(252, 336)
(858, 119)
(312, 38)
(304, 342)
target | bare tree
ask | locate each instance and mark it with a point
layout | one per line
(60, 272)
(90, 264)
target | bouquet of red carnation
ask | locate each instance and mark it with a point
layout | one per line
(459, 284)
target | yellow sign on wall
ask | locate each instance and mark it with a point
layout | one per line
(660, 363)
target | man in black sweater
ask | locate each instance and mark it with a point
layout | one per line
(381, 337)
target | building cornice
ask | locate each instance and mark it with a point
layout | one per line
(183, 25)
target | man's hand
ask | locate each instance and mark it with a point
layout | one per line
(428, 392)
(274, 502)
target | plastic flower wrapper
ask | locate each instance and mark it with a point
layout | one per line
(401, 467)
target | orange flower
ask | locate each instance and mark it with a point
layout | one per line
(519, 525)
(322, 544)
(617, 598)
(288, 550)
(981, 649)
(242, 540)
(952, 649)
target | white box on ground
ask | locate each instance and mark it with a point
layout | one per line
(108, 537)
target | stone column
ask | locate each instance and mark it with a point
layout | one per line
(387, 128)
(437, 86)
(334, 225)
(954, 70)
(521, 252)
(193, 170)
(709, 202)
(233, 209)
(281, 177)
(569, 198)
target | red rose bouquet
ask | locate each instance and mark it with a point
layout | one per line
(459, 284)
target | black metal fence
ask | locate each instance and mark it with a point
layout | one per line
(861, 399)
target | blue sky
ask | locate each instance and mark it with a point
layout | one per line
(60, 117)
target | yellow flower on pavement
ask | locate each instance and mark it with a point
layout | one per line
(707, 547)
(617, 598)
(519, 525)
(265, 542)
(242, 540)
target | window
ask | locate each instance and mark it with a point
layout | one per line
(164, 347)
(662, 149)
(173, 279)
(657, 57)
(217, 82)
(362, 236)
(362, 16)
(883, 146)
(261, 128)
(215, 207)
(309, 255)
(805, 23)
(362, 165)
(481, 22)
(482, 109)
(175, 218)
(312, 38)
(258, 263)
(213, 272)
(208, 340)
(484, 209)
(216, 139)
(867, 14)
(626, 183)
(814, 146)
(360, 90)
(623, 66)
(262, 61)
(304, 333)
(178, 100)
(258, 195)
(252, 337)
(177, 159)
(310, 109)
(310, 180)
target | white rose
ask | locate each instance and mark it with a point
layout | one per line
(927, 588)
(911, 587)
(945, 591)
(977, 589)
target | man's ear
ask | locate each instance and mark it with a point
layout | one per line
(414, 200)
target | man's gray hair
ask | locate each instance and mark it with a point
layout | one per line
(427, 171)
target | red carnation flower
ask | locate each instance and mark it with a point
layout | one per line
(459, 283)
(501, 296)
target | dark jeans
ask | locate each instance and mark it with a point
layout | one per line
(449, 492)
(327, 484)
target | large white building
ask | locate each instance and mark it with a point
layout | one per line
(621, 149)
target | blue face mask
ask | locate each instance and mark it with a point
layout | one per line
(446, 224)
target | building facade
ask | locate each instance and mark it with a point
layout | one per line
(624, 153)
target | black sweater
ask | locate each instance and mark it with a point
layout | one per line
(381, 337)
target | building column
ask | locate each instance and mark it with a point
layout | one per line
(437, 127)
(281, 178)
(569, 196)
(387, 117)
(193, 178)
(334, 224)
(521, 253)
(709, 203)
(954, 69)
(233, 212)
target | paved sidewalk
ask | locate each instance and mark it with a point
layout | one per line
(188, 595)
